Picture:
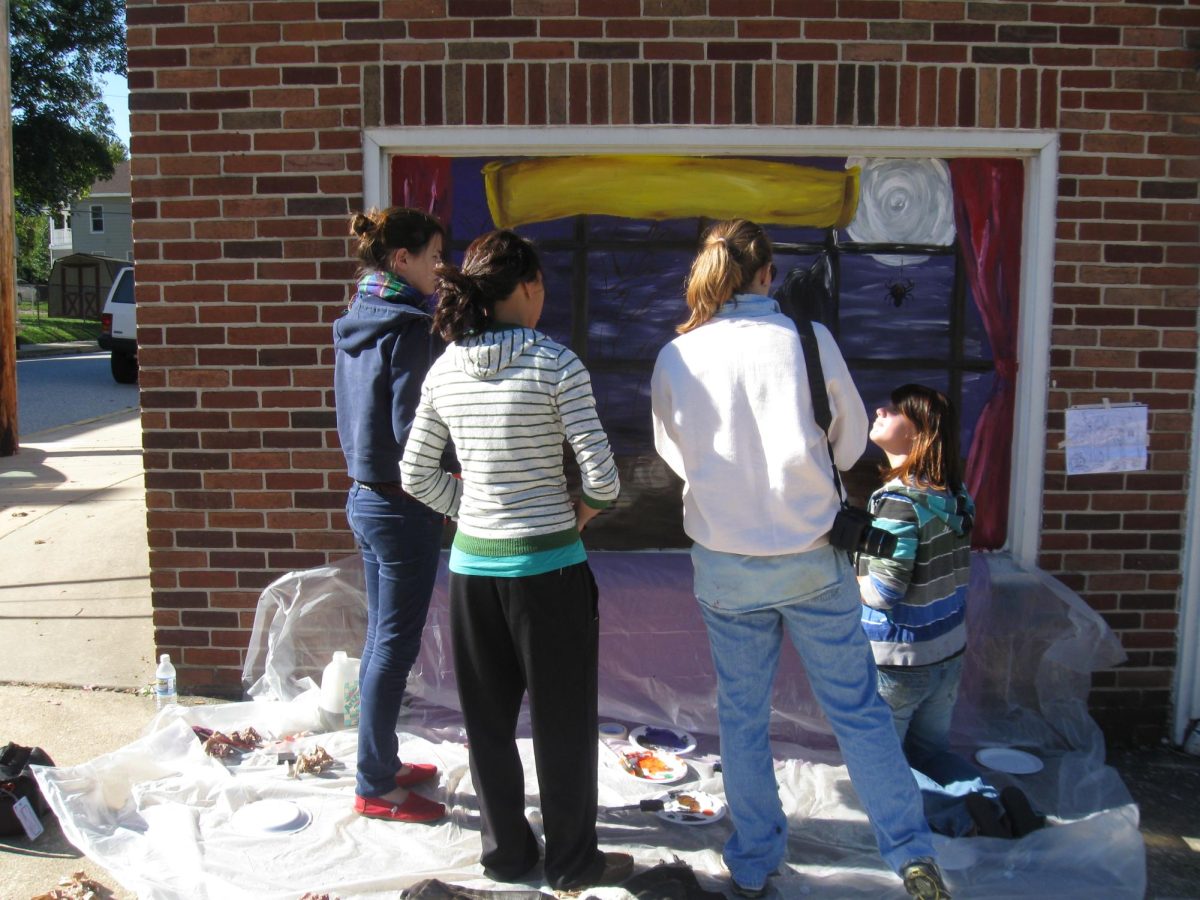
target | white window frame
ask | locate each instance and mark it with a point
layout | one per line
(1187, 667)
(94, 210)
(1038, 150)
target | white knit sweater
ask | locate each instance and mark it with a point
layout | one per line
(508, 398)
(733, 418)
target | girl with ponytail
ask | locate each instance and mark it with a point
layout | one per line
(523, 603)
(382, 350)
(733, 417)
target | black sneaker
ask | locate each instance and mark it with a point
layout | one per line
(923, 880)
(617, 867)
(1020, 813)
(987, 817)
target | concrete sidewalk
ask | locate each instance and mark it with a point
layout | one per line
(75, 598)
(75, 605)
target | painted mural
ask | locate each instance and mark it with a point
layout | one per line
(919, 259)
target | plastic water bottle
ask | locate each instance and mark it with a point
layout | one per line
(164, 683)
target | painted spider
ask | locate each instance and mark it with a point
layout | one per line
(898, 291)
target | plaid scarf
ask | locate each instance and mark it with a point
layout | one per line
(389, 287)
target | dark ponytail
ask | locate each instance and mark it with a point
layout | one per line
(494, 266)
(380, 234)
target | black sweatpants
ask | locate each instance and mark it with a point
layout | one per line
(536, 633)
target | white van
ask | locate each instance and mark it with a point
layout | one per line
(118, 328)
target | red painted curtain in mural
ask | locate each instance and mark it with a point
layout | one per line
(424, 183)
(988, 195)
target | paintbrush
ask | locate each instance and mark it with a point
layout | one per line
(650, 804)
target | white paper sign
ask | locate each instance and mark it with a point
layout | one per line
(1106, 438)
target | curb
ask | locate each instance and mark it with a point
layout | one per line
(70, 348)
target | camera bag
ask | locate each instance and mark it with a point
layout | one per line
(17, 783)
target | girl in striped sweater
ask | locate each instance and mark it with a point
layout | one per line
(914, 611)
(523, 603)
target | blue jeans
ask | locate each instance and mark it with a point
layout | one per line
(922, 702)
(399, 539)
(825, 629)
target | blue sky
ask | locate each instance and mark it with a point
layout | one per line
(116, 96)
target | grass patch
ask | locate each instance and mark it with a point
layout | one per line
(48, 330)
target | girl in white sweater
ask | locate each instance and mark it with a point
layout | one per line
(733, 418)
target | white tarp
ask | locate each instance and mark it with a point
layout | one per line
(160, 814)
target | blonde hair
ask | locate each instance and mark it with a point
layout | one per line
(731, 254)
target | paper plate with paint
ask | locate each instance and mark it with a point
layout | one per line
(1008, 760)
(685, 807)
(671, 740)
(653, 765)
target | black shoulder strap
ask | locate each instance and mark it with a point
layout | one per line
(816, 387)
(816, 375)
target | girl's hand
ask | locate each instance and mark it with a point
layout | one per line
(584, 513)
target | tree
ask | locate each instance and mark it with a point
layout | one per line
(63, 138)
(33, 247)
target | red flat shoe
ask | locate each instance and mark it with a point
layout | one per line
(414, 809)
(417, 772)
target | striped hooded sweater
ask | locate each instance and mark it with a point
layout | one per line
(508, 398)
(914, 606)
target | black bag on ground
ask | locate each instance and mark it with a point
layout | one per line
(16, 782)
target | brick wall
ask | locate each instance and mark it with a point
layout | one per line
(247, 118)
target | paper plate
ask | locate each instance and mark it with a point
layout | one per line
(672, 740)
(685, 807)
(650, 765)
(1008, 760)
(270, 817)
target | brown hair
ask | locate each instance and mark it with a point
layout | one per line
(731, 254)
(380, 234)
(493, 267)
(933, 459)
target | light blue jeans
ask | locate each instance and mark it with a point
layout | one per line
(922, 702)
(824, 627)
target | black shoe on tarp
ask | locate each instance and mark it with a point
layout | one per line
(1024, 820)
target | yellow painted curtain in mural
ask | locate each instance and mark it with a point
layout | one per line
(669, 187)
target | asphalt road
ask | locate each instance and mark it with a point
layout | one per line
(59, 390)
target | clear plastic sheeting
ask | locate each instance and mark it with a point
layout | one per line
(302, 618)
(161, 815)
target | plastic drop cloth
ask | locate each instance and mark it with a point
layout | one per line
(160, 815)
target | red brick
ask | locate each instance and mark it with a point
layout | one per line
(927, 94)
(837, 31)
(613, 8)
(637, 28)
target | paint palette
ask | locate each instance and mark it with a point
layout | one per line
(650, 765)
(671, 740)
(686, 807)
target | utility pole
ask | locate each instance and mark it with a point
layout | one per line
(8, 260)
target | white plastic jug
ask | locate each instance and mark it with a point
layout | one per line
(339, 691)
